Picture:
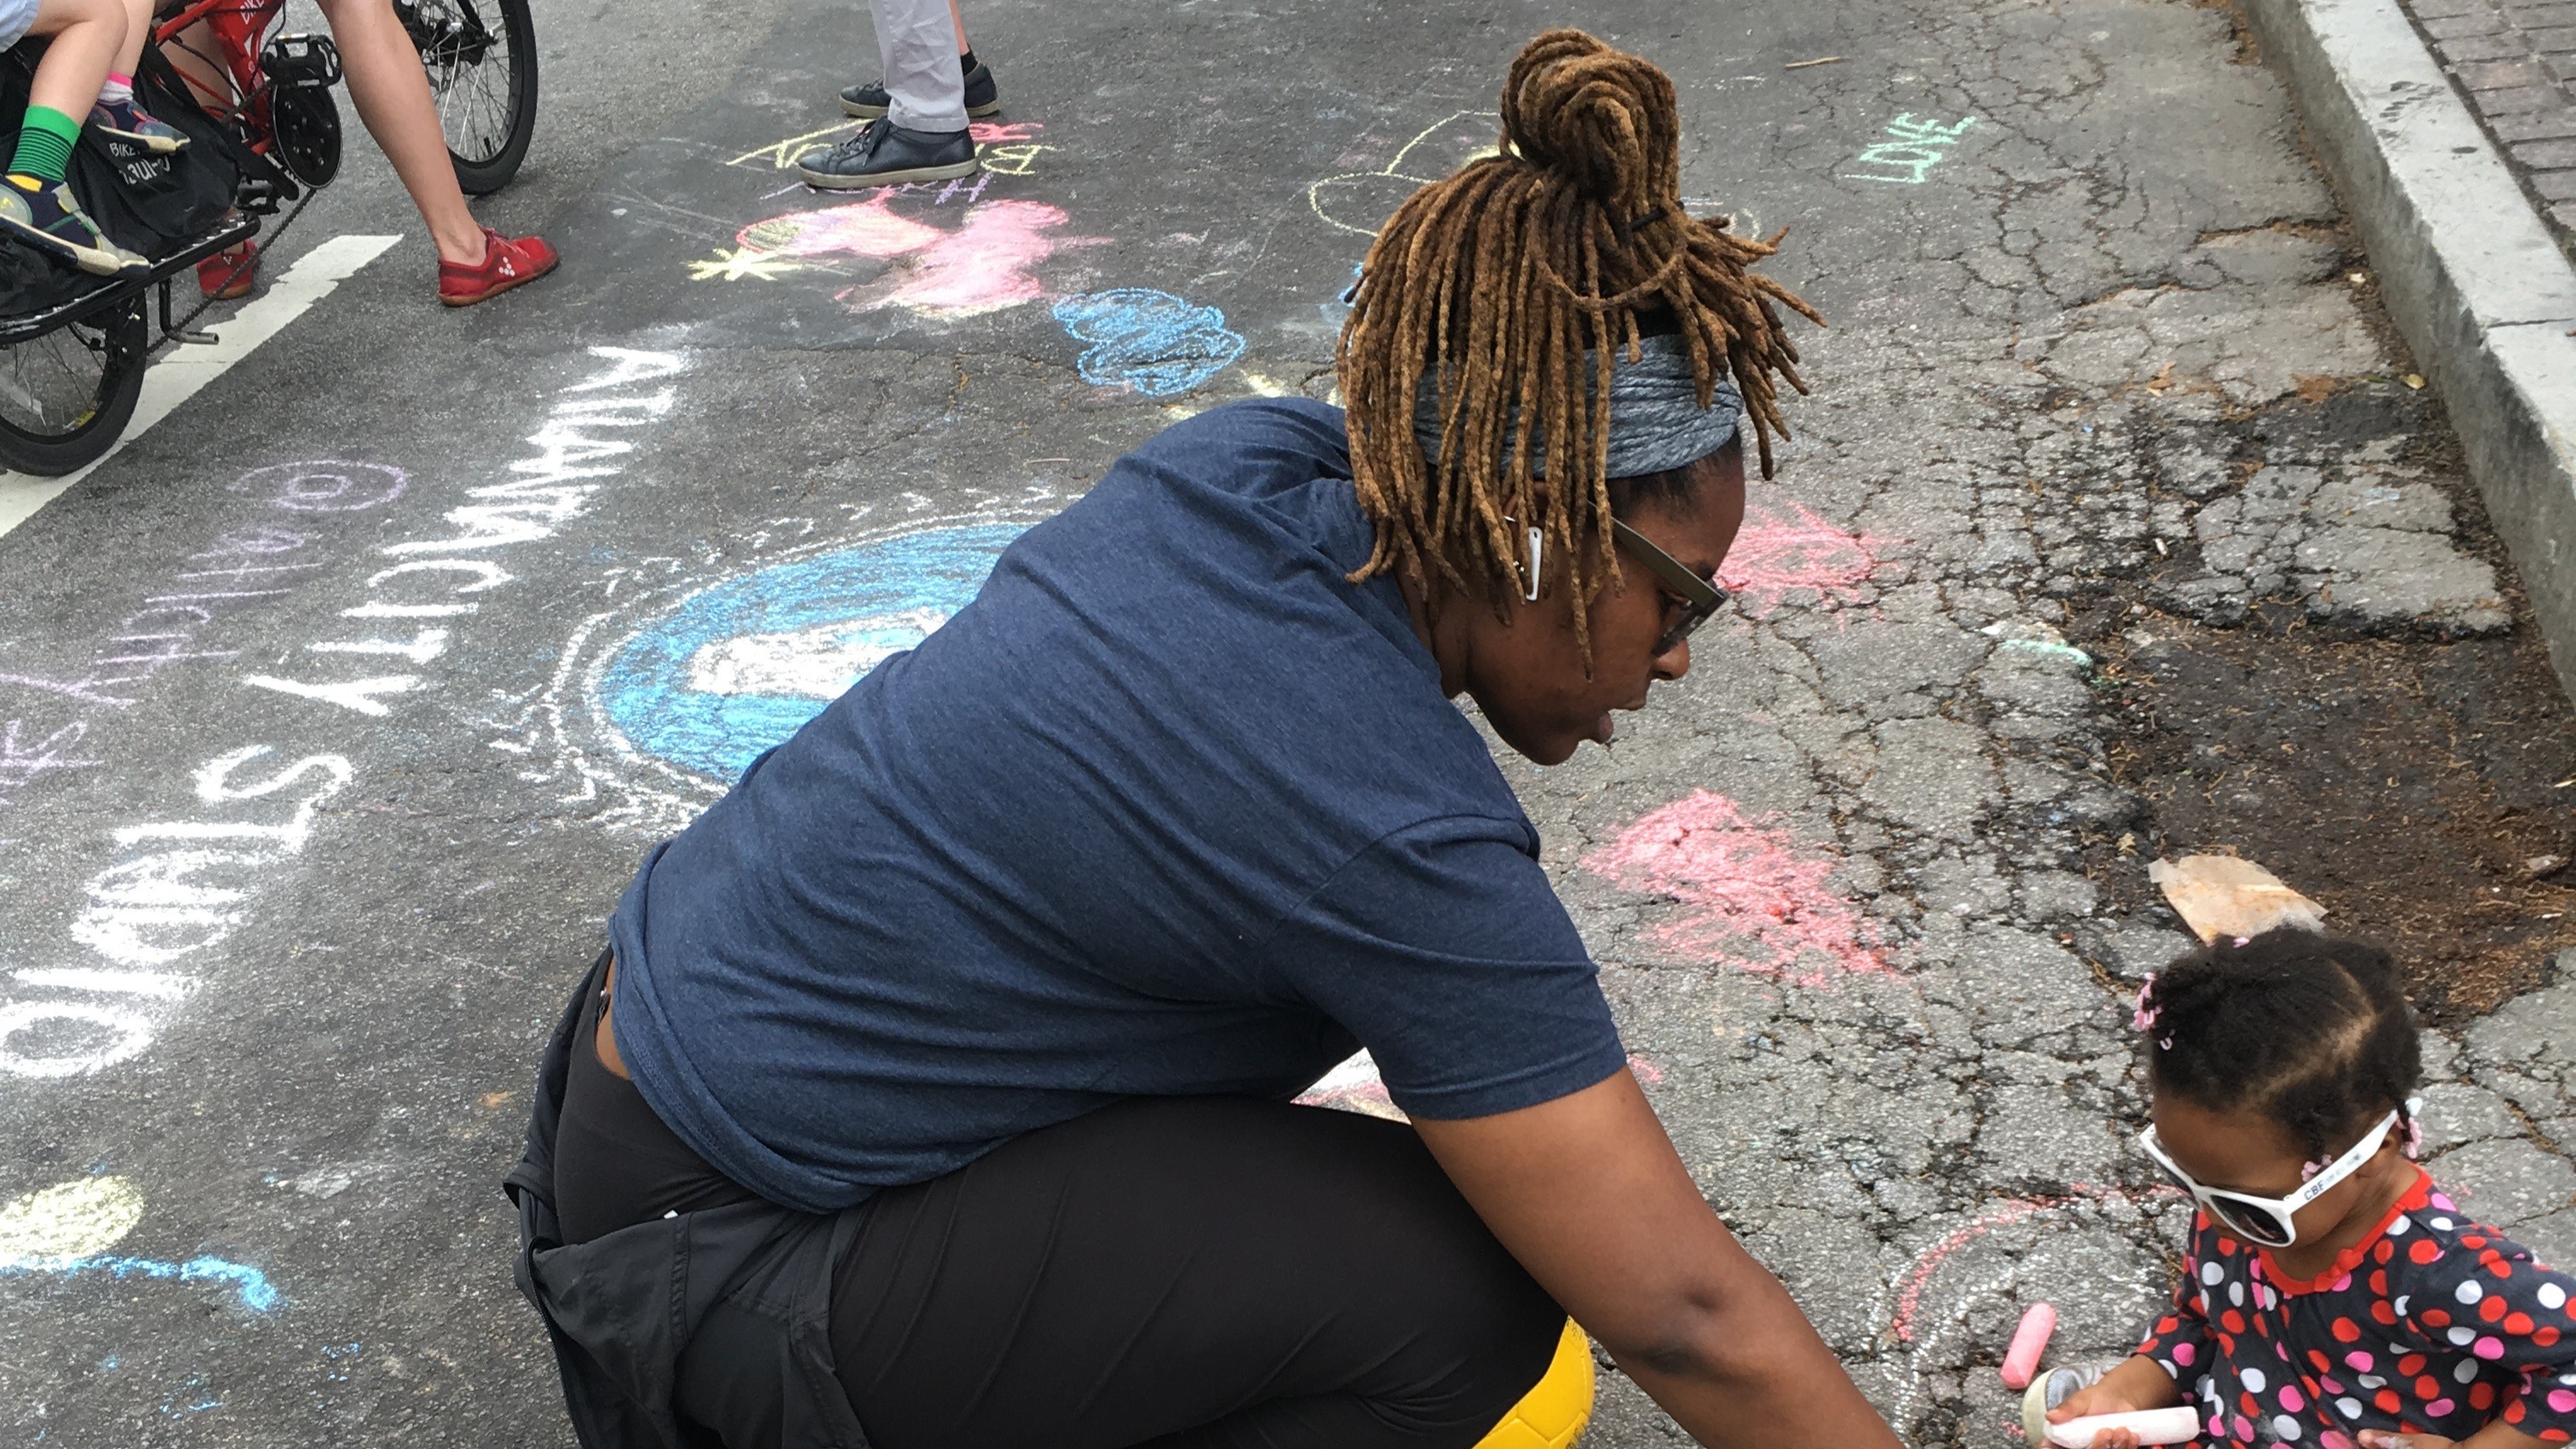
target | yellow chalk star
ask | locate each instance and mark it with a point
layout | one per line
(733, 266)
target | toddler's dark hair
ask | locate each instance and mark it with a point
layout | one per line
(2310, 1031)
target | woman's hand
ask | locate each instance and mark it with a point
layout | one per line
(2138, 1383)
(1587, 1192)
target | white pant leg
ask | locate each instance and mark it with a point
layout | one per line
(917, 41)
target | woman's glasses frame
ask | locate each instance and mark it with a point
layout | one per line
(1699, 597)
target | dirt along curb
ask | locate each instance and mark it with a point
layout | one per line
(2469, 273)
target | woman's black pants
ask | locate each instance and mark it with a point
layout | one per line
(1168, 1272)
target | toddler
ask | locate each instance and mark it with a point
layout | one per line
(2331, 1295)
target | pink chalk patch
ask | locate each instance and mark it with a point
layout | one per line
(2029, 1341)
(986, 263)
(985, 133)
(1648, 1073)
(1756, 899)
(1780, 553)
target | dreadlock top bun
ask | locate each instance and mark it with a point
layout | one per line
(2307, 1030)
(1601, 119)
(1498, 281)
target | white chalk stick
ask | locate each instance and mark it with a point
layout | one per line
(2152, 1426)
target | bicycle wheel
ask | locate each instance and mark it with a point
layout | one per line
(482, 61)
(65, 397)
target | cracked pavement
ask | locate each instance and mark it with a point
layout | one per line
(2104, 369)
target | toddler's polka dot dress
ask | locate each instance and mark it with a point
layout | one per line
(2432, 1324)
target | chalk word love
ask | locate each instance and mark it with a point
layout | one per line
(1914, 149)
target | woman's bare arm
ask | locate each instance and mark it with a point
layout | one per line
(1587, 1192)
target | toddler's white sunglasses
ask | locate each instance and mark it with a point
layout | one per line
(2269, 1222)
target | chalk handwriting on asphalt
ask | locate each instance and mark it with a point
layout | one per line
(181, 886)
(1914, 147)
(1152, 342)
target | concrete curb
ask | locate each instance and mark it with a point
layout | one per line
(2470, 276)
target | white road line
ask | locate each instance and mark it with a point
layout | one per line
(179, 372)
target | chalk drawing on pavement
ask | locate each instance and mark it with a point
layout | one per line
(983, 261)
(1008, 148)
(1753, 895)
(1781, 553)
(659, 703)
(1147, 341)
(1360, 201)
(2090, 1250)
(65, 1231)
(1914, 147)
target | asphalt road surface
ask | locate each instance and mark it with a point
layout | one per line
(336, 709)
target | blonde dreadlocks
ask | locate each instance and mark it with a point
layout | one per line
(1498, 281)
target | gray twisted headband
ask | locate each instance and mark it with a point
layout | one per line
(1656, 422)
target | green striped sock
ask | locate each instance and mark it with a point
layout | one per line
(45, 144)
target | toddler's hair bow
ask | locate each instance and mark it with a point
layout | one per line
(2144, 1017)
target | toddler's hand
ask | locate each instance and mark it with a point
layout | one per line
(2109, 1397)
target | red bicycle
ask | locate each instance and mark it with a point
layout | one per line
(70, 374)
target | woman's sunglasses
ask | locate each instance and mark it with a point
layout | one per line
(2269, 1222)
(1699, 597)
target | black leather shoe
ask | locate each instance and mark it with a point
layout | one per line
(886, 154)
(868, 102)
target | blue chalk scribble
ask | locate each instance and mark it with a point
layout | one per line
(1153, 342)
(256, 1293)
(739, 666)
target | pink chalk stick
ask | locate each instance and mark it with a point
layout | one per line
(2152, 1426)
(2021, 1361)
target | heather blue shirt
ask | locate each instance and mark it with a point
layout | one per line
(1170, 808)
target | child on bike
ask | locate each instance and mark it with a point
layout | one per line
(36, 202)
(2332, 1294)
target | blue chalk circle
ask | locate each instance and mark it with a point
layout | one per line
(1152, 342)
(252, 1285)
(739, 666)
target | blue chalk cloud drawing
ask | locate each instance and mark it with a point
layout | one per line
(1153, 342)
(714, 676)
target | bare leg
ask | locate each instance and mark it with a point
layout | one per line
(191, 56)
(392, 94)
(138, 29)
(87, 34)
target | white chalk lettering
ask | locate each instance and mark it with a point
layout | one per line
(425, 646)
(152, 909)
(351, 694)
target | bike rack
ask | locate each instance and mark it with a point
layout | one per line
(122, 290)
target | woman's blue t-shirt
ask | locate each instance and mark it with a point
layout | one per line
(1171, 808)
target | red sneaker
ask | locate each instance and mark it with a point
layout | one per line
(506, 263)
(230, 273)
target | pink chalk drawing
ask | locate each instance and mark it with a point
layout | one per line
(1779, 553)
(1355, 1086)
(986, 263)
(1749, 886)
(1927, 1331)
